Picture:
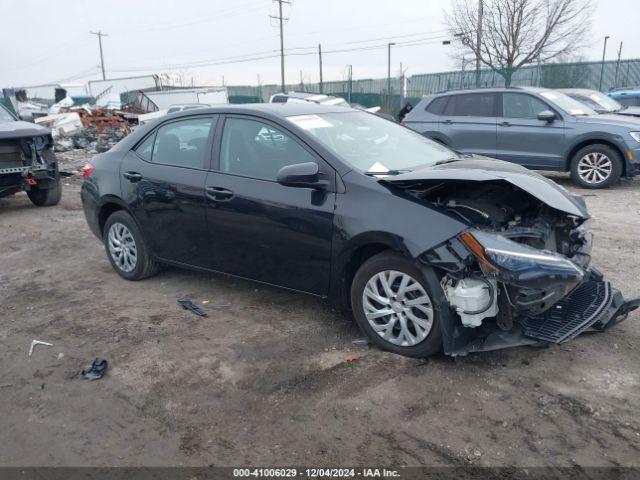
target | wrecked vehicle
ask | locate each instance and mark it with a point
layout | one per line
(27, 161)
(429, 248)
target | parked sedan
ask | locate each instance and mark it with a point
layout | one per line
(534, 127)
(430, 249)
(600, 102)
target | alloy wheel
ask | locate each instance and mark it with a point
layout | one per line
(595, 168)
(122, 247)
(398, 308)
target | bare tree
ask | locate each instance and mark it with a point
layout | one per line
(518, 32)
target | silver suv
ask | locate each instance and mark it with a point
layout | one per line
(537, 128)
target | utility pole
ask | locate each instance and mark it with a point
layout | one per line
(478, 42)
(389, 74)
(320, 60)
(402, 85)
(618, 64)
(350, 83)
(281, 20)
(100, 35)
(604, 51)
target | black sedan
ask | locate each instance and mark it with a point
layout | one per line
(430, 249)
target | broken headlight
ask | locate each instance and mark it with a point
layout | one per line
(519, 264)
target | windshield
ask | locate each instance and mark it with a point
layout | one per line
(372, 144)
(5, 116)
(566, 103)
(601, 102)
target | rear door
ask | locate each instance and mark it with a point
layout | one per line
(162, 180)
(258, 228)
(524, 139)
(468, 123)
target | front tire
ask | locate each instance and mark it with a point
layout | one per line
(596, 166)
(126, 249)
(47, 197)
(397, 306)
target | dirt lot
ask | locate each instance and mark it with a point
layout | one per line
(264, 379)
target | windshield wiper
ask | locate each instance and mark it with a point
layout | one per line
(388, 172)
(447, 160)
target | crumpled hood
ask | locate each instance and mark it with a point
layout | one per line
(21, 129)
(483, 169)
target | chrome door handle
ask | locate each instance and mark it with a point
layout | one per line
(218, 194)
(133, 177)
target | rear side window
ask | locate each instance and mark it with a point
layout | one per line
(521, 105)
(437, 105)
(472, 105)
(145, 149)
(182, 143)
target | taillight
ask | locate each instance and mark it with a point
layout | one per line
(87, 170)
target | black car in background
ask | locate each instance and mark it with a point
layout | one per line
(430, 249)
(27, 161)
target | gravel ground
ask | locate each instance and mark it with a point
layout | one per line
(264, 380)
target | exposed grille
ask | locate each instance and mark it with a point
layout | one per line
(10, 155)
(572, 315)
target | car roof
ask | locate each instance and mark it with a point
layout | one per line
(281, 110)
(583, 91)
(461, 91)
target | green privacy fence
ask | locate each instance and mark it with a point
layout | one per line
(555, 75)
(373, 92)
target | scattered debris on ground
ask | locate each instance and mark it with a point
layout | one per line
(34, 343)
(96, 371)
(362, 343)
(189, 305)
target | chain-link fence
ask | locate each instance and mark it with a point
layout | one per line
(373, 92)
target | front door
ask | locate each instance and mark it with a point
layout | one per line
(163, 180)
(260, 229)
(524, 139)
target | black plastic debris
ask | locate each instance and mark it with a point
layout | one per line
(97, 370)
(189, 305)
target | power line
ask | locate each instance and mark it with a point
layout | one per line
(290, 52)
(246, 58)
(223, 14)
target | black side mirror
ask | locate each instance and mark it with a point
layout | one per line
(303, 175)
(547, 116)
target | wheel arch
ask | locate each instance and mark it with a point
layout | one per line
(109, 206)
(595, 141)
(352, 258)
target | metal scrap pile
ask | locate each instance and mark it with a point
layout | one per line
(92, 129)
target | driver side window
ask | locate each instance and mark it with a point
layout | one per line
(255, 149)
(520, 105)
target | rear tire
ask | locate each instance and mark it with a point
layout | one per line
(126, 249)
(412, 325)
(596, 166)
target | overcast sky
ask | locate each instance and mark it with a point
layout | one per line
(47, 41)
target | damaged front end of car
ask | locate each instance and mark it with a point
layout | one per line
(520, 273)
(27, 161)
